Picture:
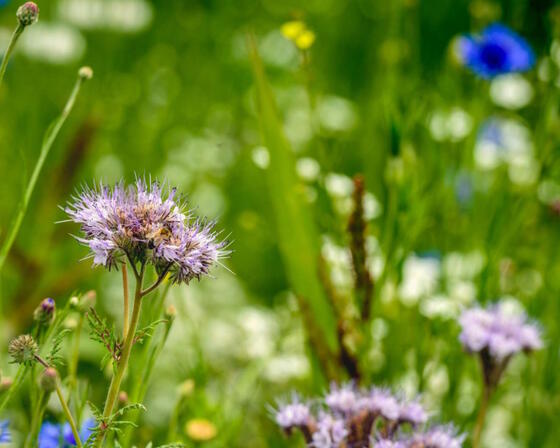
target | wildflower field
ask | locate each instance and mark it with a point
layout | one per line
(259, 223)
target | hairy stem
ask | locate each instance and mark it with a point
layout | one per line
(68, 414)
(114, 388)
(481, 416)
(125, 297)
(36, 419)
(15, 36)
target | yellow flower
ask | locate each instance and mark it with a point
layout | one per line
(200, 429)
(291, 30)
(305, 40)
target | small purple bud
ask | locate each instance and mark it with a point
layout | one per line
(28, 14)
(44, 313)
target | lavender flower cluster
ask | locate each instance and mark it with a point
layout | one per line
(360, 418)
(146, 224)
(498, 332)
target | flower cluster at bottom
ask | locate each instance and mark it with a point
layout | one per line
(349, 417)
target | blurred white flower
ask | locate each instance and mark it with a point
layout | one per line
(54, 43)
(548, 191)
(261, 157)
(284, 368)
(336, 114)
(339, 260)
(439, 306)
(453, 125)
(372, 207)
(308, 169)
(338, 185)
(277, 51)
(463, 266)
(297, 127)
(127, 16)
(420, 278)
(507, 141)
(511, 91)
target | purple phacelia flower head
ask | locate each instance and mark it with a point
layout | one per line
(145, 223)
(498, 332)
(380, 401)
(331, 432)
(412, 412)
(388, 443)
(495, 51)
(496, 335)
(438, 437)
(342, 399)
(294, 414)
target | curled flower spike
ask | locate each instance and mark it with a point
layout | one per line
(145, 223)
(23, 350)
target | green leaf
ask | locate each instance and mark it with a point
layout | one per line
(297, 236)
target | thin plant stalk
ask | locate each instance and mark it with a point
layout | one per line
(73, 366)
(125, 300)
(149, 356)
(50, 137)
(68, 414)
(18, 381)
(15, 36)
(481, 417)
(115, 385)
(36, 419)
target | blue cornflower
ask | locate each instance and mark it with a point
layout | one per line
(55, 435)
(4, 433)
(496, 51)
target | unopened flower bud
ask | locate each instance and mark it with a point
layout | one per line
(85, 73)
(200, 429)
(44, 313)
(28, 13)
(48, 379)
(186, 388)
(6, 383)
(23, 349)
(88, 299)
(84, 302)
(123, 398)
(170, 313)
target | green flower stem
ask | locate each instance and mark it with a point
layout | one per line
(18, 380)
(73, 366)
(481, 417)
(68, 414)
(15, 36)
(114, 388)
(50, 137)
(148, 358)
(36, 419)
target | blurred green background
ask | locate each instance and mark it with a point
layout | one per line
(379, 93)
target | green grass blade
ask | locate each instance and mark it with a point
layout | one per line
(297, 236)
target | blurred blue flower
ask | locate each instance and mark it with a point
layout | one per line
(55, 435)
(496, 51)
(4, 433)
